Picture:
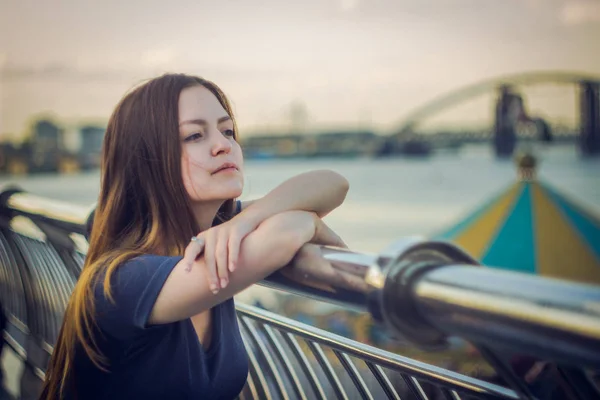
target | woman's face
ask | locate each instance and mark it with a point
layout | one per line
(211, 160)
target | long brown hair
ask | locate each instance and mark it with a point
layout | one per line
(142, 207)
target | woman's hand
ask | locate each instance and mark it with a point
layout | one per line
(309, 266)
(221, 247)
(272, 245)
(221, 244)
(325, 235)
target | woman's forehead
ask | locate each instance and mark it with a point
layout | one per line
(199, 103)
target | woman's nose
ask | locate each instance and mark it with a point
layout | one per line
(221, 144)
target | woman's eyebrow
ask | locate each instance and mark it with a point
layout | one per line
(203, 122)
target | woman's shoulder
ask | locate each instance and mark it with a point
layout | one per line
(134, 287)
(148, 261)
(132, 277)
(139, 266)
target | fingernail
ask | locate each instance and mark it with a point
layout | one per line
(223, 283)
(214, 288)
(231, 267)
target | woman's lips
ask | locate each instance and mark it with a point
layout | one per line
(226, 169)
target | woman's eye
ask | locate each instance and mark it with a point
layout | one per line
(229, 132)
(192, 137)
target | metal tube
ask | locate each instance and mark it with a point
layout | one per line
(547, 318)
(283, 359)
(355, 375)
(420, 292)
(255, 372)
(269, 363)
(330, 274)
(383, 380)
(305, 365)
(59, 213)
(328, 369)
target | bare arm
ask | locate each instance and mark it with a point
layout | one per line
(318, 191)
(272, 245)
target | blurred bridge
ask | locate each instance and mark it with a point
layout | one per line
(511, 115)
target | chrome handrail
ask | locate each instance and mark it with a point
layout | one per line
(428, 291)
(59, 213)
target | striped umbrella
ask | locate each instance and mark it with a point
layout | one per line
(532, 228)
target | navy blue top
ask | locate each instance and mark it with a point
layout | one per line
(159, 361)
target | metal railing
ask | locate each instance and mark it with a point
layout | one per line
(313, 363)
(427, 292)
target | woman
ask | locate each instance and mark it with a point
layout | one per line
(152, 314)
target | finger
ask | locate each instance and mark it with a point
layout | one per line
(209, 258)
(330, 238)
(341, 243)
(193, 249)
(234, 250)
(221, 257)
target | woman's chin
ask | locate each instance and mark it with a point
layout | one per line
(233, 192)
(224, 191)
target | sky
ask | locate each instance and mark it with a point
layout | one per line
(351, 63)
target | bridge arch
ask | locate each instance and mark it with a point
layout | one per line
(455, 96)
